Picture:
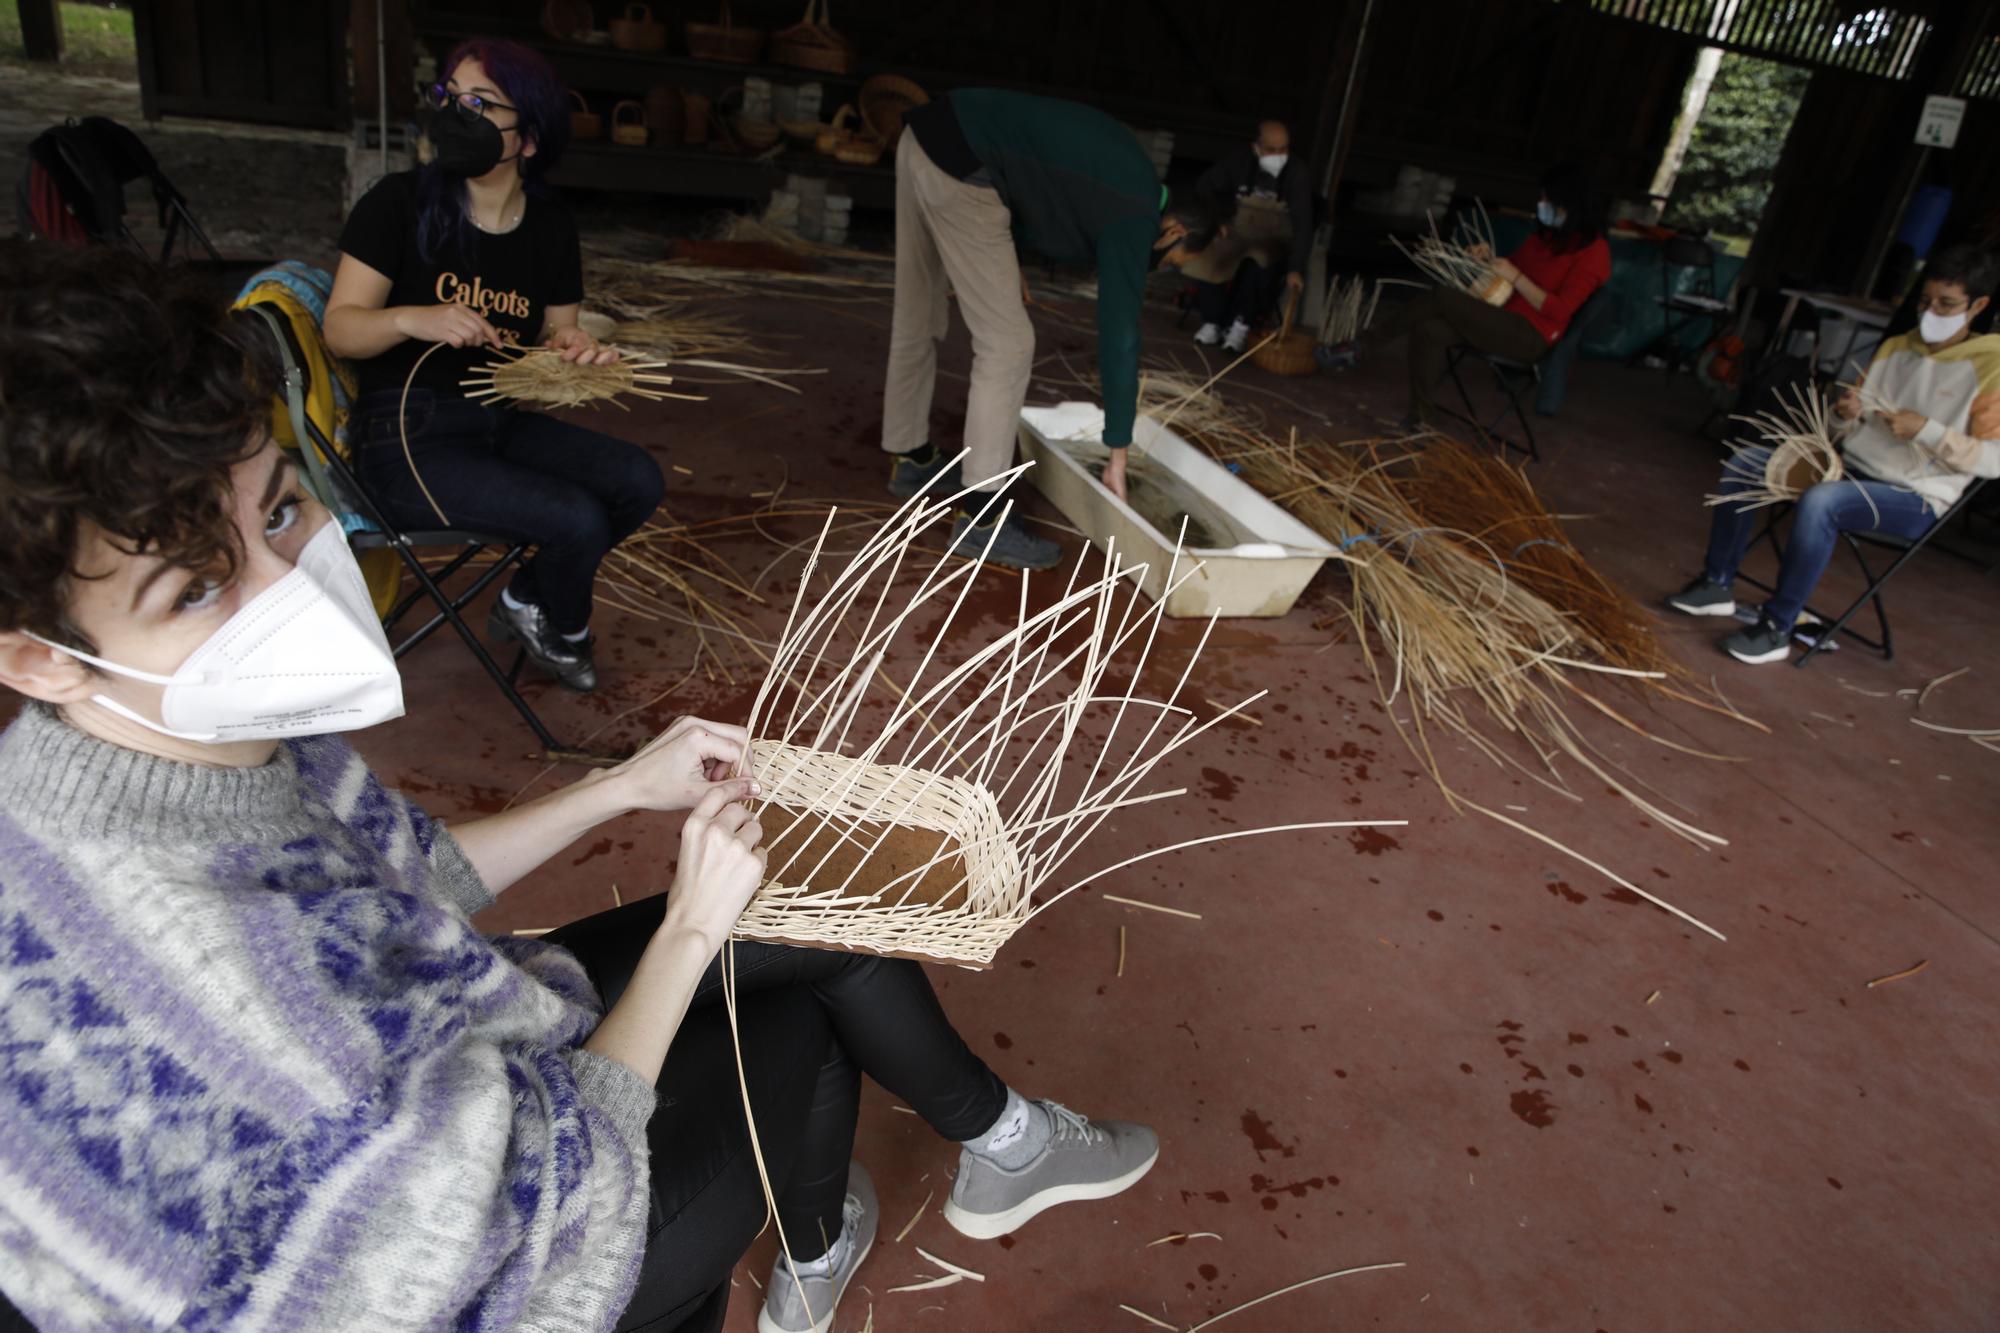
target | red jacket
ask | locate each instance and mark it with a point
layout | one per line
(1568, 278)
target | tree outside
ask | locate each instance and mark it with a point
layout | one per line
(1725, 180)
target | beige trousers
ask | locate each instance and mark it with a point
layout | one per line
(951, 236)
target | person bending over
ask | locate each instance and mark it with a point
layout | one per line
(980, 169)
(1932, 424)
(257, 1067)
(1554, 272)
(451, 265)
(1259, 190)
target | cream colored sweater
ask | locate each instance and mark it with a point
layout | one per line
(1958, 390)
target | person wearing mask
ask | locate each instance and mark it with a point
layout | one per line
(445, 268)
(261, 1070)
(979, 171)
(1553, 272)
(1932, 426)
(1260, 193)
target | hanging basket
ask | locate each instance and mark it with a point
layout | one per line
(884, 99)
(1291, 352)
(628, 129)
(583, 122)
(638, 30)
(811, 43)
(725, 41)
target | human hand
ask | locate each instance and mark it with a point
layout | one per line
(1114, 473)
(721, 867)
(1295, 283)
(1505, 268)
(1904, 424)
(682, 766)
(1848, 405)
(1480, 251)
(458, 325)
(578, 346)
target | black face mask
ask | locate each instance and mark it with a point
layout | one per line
(467, 143)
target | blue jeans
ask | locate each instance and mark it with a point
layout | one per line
(1820, 516)
(572, 492)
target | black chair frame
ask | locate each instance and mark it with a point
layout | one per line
(1513, 378)
(1904, 550)
(407, 545)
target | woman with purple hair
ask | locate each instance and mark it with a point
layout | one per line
(440, 268)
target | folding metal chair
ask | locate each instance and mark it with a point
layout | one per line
(1513, 378)
(73, 188)
(336, 486)
(1904, 549)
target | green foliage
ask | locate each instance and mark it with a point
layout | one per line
(1726, 178)
(97, 38)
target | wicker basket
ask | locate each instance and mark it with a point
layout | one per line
(802, 131)
(666, 114)
(884, 99)
(756, 134)
(566, 20)
(860, 150)
(638, 30)
(1795, 468)
(876, 858)
(697, 117)
(725, 41)
(837, 131)
(583, 122)
(811, 43)
(1291, 352)
(628, 131)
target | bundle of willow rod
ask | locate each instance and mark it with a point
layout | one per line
(1349, 308)
(1452, 485)
(1464, 261)
(540, 377)
(1799, 436)
(658, 278)
(938, 831)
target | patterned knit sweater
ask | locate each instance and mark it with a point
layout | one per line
(258, 1071)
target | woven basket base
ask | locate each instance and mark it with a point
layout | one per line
(902, 851)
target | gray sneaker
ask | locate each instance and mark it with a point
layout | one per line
(906, 478)
(1083, 1159)
(1015, 547)
(784, 1308)
(1702, 598)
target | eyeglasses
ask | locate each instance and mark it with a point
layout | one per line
(1942, 305)
(442, 97)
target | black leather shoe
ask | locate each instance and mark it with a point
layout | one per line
(574, 664)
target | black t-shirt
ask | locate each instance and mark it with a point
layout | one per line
(511, 279)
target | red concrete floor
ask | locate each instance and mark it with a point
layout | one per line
(1447, 1045)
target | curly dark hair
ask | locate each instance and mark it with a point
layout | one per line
(127, 393)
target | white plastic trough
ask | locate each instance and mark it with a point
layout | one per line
(1262, 574)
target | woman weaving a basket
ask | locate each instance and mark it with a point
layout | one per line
(259, 1068)
(444, 268)
(1529, 302)
(1890, 468)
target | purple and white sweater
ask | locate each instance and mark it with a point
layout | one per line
(258, 1071)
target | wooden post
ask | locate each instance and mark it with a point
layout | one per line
(41, 29)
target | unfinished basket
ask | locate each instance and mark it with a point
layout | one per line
(725, 41)
(1290, 352)
(1802, 453)
(811, 43)
(883, 101)
(927, 818)
(539, 377)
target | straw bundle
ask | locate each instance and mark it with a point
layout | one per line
(1349, 309)
(540, 377)
(938, 836)
(1802, 454)
(1465, 261)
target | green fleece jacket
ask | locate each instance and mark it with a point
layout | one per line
(1081, 191)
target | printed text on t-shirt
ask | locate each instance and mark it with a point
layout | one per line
(480, 297)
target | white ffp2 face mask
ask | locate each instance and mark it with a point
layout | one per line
(303, 657)
(1935, 329)
(1273, 162)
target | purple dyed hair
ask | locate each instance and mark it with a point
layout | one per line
(541, 100)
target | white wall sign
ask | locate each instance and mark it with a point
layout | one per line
(1939, 126)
